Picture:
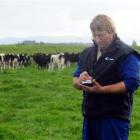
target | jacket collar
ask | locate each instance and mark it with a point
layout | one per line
(111, 47)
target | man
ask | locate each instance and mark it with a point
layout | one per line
(113, 69)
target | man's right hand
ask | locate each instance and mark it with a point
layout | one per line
(77, 81)
(84, 76)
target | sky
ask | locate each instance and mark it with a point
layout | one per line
(27, 18)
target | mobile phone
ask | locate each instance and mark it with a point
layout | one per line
(87, 83)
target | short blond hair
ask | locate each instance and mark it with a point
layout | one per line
(102, 23)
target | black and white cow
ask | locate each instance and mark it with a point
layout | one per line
(42, 60)
(12, 61)
(57, 61)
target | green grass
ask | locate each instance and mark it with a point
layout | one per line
(46, 48)
(39, 105)
(135, 121)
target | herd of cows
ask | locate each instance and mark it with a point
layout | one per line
(45, 61)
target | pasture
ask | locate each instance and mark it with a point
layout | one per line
(44, 48)
(41, 105)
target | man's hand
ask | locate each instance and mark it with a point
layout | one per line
(84, 76)
(77, 81)
(92, 89)
(117, 88)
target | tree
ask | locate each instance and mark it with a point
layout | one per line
(134, 43)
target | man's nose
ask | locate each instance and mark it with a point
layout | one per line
(97, 39)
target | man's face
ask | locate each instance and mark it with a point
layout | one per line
(102, 38)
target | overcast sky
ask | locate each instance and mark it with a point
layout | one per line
(25, 18)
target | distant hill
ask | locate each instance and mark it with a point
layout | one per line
(57, 39)
(46, 39)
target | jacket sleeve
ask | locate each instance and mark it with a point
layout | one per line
(129, 72)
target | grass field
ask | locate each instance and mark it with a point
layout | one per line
(46, 48)
(41, 105)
